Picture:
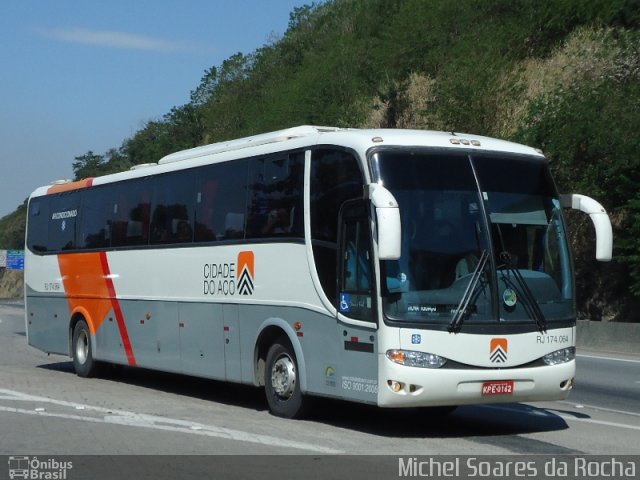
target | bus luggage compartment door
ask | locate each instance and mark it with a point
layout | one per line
(233, 370)
(201, 340)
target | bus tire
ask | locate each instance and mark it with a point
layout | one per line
(83, 362)
(282, 381)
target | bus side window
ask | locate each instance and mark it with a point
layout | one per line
(94, 230)
(37, 236)
(130, 213)
(63, 213)
(205, 200)
(275, 196)
(356, 269)
(221, 199)
(172, 209)
(335, 178)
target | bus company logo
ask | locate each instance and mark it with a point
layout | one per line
(227, 279)
(499, 347)
(246, 277)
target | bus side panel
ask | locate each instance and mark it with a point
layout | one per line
(168, 336)
(316, 339)
(46, 306)
(152, 328)
(232, 349)
(201, 340)
(358, 370)
(109, 345)
(335, 365)
(47, 322)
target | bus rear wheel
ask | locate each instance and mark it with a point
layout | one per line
(281, 380)
(83, 362)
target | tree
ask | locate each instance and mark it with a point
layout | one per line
(88, 165)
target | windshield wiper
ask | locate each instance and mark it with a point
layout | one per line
(528, 299)
(461, 313)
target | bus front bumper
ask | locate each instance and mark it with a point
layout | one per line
(402, 386)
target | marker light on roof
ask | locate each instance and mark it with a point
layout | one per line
(464, 141)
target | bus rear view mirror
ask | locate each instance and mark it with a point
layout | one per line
(388, 222)
(600, 219)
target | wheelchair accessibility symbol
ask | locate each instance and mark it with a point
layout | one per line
(345, 302)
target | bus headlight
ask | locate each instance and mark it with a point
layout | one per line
(412, 358)
(560, 356)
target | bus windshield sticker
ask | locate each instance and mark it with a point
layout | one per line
(442, 309)
(509, 298)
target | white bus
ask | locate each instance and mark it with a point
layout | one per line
(392, 267)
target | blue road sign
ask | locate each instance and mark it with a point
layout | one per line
(15, 259)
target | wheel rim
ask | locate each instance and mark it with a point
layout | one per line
(82, 347)
(283, 377)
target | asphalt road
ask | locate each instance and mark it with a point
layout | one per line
(45, 409)
(609, 382)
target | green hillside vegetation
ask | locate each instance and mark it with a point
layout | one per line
(561, 75)
(12, 229)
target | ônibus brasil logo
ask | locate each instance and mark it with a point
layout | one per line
(230, 278)
(499, 347)
(35, 469)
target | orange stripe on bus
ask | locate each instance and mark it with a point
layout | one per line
(85, 287)
(90, 291)
(124, 334)
(66, 187)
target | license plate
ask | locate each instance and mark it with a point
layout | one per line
(502, 387)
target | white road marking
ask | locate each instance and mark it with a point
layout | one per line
(599, 422)
(133, 419)
(609, 358)
(604, 409)
(551, 411)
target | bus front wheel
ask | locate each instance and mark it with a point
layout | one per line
(83, 362)
(281, 380)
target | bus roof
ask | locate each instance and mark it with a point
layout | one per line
(360, 140)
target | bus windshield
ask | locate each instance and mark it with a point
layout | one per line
(483, 240)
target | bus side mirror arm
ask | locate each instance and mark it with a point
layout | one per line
(387, 221)
(600, 219)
